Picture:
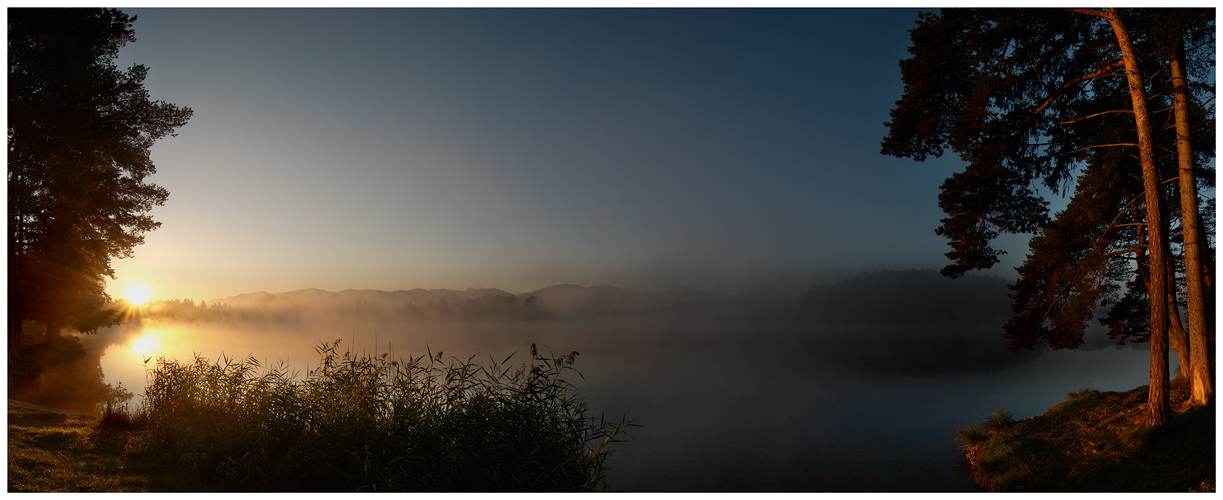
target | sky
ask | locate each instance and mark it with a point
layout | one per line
(515, 149)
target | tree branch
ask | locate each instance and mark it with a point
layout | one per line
(1099, 146)
(1119, 63)
(1090, 12)
(1123, 252)
(1114, 65)
(1068, 122)
(1113, 223)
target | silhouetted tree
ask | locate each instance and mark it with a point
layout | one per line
(1022, 96)
(911, 322)
(531, 309)
(410, 311)
(491, 307)
(79, 133)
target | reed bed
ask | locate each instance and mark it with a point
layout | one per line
(369, 423)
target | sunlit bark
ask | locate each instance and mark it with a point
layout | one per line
(1199, 370)
(1178, 337)
(1158, 404)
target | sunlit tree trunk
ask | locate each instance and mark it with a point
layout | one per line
(1178, 334)
(1158, 404)
(1199, 371)
(1178, 337)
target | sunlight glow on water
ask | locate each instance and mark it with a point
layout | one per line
(147, 344)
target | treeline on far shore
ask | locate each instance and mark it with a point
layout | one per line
(485, 308)
(501, 308)
(885, 298)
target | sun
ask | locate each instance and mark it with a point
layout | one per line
(138, 294)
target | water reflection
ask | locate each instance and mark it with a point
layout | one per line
(147, 344)
(723, 407)
(65, 375)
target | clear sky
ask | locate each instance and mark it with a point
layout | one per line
(515, 149)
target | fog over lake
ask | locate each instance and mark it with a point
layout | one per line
(688, 200)
(723, 406)
(853, 385)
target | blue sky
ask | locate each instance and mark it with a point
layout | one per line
(403, 148)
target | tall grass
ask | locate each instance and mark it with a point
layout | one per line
(999, 421)
(366, 423)
(973, 435)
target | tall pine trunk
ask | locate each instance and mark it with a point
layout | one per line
(1200, 371)
(1159, 407)
(52, 337)
(1178, 336)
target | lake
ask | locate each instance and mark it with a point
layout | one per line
(722, 407)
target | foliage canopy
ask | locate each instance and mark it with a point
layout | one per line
(1036, 100)
(79, 133)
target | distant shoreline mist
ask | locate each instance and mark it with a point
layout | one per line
(557, 302)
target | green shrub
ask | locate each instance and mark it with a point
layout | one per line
(362, 422)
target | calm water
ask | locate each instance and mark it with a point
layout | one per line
(722, 407)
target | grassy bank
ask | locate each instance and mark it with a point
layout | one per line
(48, 451)
(354, 423)
(1095, 441)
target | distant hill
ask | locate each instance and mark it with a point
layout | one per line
(556, 301)
(314, 297)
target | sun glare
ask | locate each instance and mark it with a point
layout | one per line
(138, 294)
(146, 344)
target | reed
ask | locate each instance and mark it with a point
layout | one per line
(369, 423)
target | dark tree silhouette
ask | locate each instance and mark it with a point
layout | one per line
(1032, 97)
(909, 322)
(79, 133)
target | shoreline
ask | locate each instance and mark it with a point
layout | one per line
(1095, 441)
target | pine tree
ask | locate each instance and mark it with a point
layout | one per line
(79, 134)
(1034, 98)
